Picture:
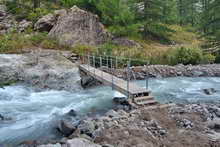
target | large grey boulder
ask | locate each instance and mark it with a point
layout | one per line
(79, 27)
(46, 23)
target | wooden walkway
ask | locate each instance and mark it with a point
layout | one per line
(137, 94)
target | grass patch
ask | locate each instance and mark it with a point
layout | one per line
(18, 42)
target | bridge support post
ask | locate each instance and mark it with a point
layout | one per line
(147, 84)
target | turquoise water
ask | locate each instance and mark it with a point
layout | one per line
(35, 114)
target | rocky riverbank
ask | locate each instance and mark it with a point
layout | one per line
(179, 125)
(41, 69)
(164, 71)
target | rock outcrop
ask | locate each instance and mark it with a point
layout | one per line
(79, 27)
(42, 69)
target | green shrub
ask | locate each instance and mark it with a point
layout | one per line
(186, 56)
(83, 49)
(11, 43)
(208, 59)
(37, 38)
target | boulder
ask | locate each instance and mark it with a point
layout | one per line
(79, 27)
(23, 25)
(81, 142)
(120, 100)
(88, 81)
(209, 91)
(87, 127)
(72, 113)
(2, 117)
(214, 125)
(66, 128)
(45, 23)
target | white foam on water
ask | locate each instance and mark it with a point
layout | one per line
(34, 113)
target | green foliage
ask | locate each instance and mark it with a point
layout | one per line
(186, 56)
(128, 31)
(208, 59)
(83, 49)
(37, 38)
(36, 14)
(16, 42)
(12, 43)
(7, 83)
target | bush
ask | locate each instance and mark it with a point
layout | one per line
(83, 49)
(208, 59)
(12, 43)
(186, 56)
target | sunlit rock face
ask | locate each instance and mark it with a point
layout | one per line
(79, 27)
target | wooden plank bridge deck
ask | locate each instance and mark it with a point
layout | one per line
(138, 95)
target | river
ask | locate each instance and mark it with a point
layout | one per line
(34, 115)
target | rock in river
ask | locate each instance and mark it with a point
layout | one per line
(209, 91)
(66, 128)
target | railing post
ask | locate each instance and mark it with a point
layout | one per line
(116, 62)
(94, 64)
(101, 66)
(112, 75)
(128, 77)
(107, 61)
(88, 62)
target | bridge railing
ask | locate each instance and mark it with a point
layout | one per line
(113, 65)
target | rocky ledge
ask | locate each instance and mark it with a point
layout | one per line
(179, 125)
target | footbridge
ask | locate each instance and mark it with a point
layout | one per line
(102, 68)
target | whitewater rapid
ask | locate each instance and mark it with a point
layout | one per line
(35, 115)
